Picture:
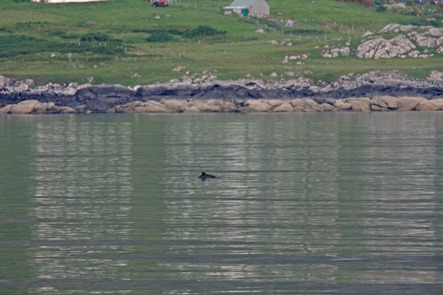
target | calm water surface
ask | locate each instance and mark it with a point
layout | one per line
(303, 204)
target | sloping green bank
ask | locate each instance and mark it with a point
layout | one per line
(131, 43)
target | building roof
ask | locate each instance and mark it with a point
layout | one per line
(242, 3)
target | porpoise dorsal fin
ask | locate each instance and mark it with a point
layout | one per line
(204, 176)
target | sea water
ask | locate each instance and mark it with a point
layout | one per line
(320, 203)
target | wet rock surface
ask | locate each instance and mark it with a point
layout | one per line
(367, 92)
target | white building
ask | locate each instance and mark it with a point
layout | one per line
(254, 8)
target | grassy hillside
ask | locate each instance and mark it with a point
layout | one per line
(131, 43)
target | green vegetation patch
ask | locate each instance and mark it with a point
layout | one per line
(14, 45)
(167, 35)
(95, 37)
(160, 36)
(202, 31)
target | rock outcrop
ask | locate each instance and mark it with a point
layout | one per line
(382, 48)
(367, 92)
(336, 52)
(408, 43)
(35, 107)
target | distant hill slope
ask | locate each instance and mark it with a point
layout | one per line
(129, 42)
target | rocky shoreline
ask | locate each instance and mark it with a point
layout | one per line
(362, 93)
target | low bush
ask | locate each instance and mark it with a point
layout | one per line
(202, 31)
(95, 37)
(160, 36)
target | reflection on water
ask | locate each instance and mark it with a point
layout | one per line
(82, 194)
(271, 199)
(395, 174)
(302, 188)
(302, 204)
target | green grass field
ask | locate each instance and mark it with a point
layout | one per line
(131, 43)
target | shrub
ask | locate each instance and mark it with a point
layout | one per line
(167, 35)
(95, 37)
(160, 36)
(202, 31)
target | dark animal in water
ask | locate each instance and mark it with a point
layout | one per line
(205, 176)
